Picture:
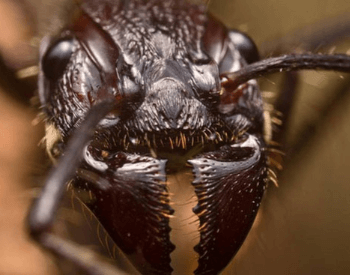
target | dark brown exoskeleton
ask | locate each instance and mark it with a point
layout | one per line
(133, 92)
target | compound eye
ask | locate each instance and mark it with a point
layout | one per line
(57, 57)
(245, 45)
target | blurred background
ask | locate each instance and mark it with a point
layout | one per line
(303, 226)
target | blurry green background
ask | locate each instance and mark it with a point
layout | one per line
(303, 226)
